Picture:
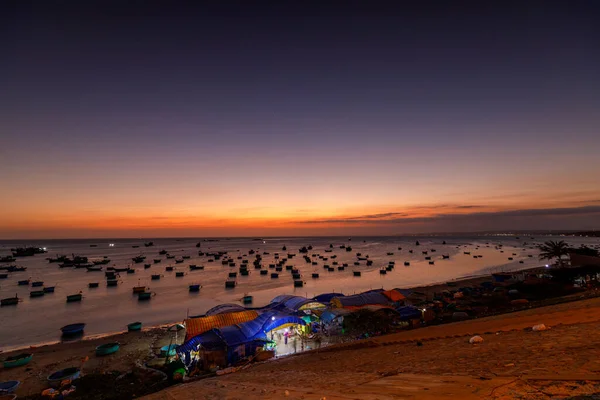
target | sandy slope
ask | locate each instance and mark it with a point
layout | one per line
(512, 362)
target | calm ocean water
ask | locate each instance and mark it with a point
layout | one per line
(110, 309)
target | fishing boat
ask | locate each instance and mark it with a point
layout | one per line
(264, 272)
(230, 284)
(74, 298)
(10, 301)
(9, 386)
(247, 299)
(94, 268)
(406, 263)
(144, 296)
(122, 269)
(162, 252)
(110, 274)
(139, 289)
(138, 259)
(356, 273)
(3, 276)
(169, 268)
(101, 262)
(131, 271)
(244, 272)
(146, 266)
(73, 329)
(37, 284)
(315, 275)
(186, 257)
(28, 251)
(382, 271)
(170, 257)
(149, 244)
(179, 274)
(37, 293)
(112, 282)
(14, 268)
(93, 285)
(49, 289)
(194, 288)
(274, 275)
(445, 256)
(156, 260)
(194, 267)
(179, 261)
(298, 283)
(67, 374)
(18, 360)
(23, 283)
(7, 259)
(431, 262)
(134, 326)
(155, 277)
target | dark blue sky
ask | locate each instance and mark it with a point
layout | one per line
(296, 89)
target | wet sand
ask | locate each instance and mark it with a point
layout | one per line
(512, 362)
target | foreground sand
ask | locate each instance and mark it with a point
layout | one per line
(512, 362)
(135, 347)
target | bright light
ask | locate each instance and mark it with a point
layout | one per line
(423, 310)
(111, 245)
(43, 248)
(547, 266)
(272, 318)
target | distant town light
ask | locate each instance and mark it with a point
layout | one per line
(111, 245)
(547, 266)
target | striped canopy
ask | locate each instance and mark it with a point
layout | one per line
(197, 326)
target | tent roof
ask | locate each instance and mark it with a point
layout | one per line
(393, 295)
(225, 308)
(196, 326)
(326, 297)
(293, 302)
(363, 299)
(234, 335)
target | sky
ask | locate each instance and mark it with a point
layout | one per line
(242, 118)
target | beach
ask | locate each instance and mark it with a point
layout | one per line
(434, 362)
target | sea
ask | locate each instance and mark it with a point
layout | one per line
(108, 310)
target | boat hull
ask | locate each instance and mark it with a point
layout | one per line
(134, 326)
(106, 349)
(18, 361)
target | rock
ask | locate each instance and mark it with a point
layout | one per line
(287, 393)
(476, 339)
(539, 327)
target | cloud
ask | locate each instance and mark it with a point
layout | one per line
(484, 216)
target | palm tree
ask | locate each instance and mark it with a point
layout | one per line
(552, 249)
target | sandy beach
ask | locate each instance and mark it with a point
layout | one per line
(435, 362)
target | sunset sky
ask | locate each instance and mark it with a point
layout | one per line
(303, 118)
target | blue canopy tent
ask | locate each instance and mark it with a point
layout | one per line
(408, 313)
(326, 297)
(295, 303)
(249, 335)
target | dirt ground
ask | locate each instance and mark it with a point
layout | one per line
(47, 359)
(435, 362)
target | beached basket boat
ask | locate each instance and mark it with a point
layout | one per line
(73, 329)
(247, 299)
(106, 349)
(134, 326)
(57, 377)
(9, 386)
(18, 360)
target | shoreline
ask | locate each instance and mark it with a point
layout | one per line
(437, 286)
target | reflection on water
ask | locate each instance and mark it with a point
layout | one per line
(109, 309)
